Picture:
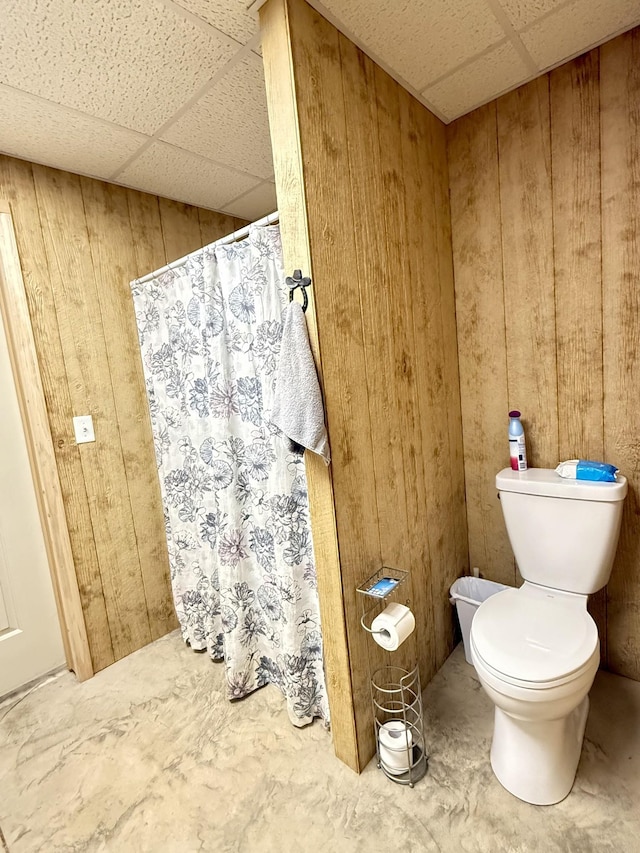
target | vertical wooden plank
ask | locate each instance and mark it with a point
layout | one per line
(214, 225)
(413, 285)
(180, 229)
(237, 223)
(150, 255)
(16, 185)
(146, 231)
(285, 135)
(322, 122)
(115, 264)
(369, 185)
(426, 298)
(77, 308)
(575, 159)
(404, 370)
(459, 545)
(480, 316)
(575, 133)
(620, 135)
(524, 153)
(454, 530)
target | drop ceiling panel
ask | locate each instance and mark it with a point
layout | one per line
(164, 170)
(229, 16)
(477, 82)
(230, 123)
(521, 13)
(255, 204)
(132, 62)
(35, 129)
(421, 39)
(577, 26)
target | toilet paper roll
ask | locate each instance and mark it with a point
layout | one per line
(392, 627)
(395, 743)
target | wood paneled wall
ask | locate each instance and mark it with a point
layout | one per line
(361, 174)
(81, 242)
(545, 205)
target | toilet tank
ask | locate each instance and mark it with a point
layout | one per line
(563, 533)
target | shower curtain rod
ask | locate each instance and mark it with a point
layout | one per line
(230, 238)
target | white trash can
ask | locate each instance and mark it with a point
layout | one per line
(467, 594)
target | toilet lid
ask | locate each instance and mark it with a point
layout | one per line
(534, 634)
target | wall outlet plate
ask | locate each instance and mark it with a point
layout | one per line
(83, 429)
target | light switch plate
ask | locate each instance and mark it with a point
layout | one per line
(83, 429)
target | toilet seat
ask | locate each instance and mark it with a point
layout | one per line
(534, 637)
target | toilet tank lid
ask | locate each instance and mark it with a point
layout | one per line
(545, 482)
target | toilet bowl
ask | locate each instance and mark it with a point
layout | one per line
(536, 649)
(536, 653)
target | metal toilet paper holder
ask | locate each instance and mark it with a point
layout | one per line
(396, 694)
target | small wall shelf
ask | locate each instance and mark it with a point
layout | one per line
(377, 588)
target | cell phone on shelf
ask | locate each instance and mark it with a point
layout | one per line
(383, 587)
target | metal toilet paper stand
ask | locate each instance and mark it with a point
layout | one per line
(395, 694)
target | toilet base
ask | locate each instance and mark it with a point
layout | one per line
(537, 760)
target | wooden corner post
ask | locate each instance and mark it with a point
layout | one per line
(290, 186)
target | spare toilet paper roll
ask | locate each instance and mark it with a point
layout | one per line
(392, 627)
(395, 742)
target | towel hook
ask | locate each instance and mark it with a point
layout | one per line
(298, 281)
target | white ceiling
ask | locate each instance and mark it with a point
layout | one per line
(167, 96)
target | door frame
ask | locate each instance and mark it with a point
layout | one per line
(14, 311)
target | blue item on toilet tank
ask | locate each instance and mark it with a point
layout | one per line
(587, 469)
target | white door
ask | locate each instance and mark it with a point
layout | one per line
(30, 638)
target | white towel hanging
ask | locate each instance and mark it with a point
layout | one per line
(297, 407)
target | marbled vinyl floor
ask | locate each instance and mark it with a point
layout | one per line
(149, 756)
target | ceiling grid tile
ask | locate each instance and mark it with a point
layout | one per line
(577, 27)
(131, 62)
(255, 203)
(479, 81)
(35, 129)
(230, 123)
(521, 13)
(228, 16)
(420, 39)
(513, 36)
(168, 171)
(238, 57)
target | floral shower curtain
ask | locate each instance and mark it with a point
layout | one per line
(235, 498)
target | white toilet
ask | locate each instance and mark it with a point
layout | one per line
(536, 648)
